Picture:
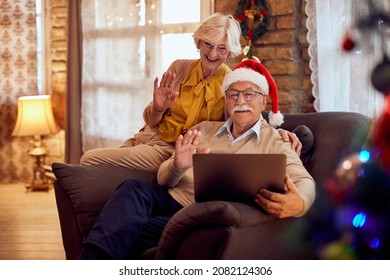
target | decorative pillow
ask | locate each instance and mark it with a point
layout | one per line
(90, 186)
(307, 139)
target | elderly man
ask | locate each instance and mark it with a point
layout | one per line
(246, 131)
(132, 219)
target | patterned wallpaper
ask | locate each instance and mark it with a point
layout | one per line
(17, 78)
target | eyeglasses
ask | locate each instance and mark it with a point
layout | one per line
(248, 94)
(206, 46)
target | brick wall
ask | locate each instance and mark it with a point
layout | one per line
(284, 51)
(56, 16)
(56, 51)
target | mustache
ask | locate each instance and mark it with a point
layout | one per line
(244, 107)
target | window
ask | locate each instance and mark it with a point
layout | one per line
(342, 80)
(126, 44)
(40, 46)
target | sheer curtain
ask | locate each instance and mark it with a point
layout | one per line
(341, 79)
(115, 86)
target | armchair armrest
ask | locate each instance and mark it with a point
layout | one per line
(227, 230)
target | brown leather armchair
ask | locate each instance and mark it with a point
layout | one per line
(218, 229)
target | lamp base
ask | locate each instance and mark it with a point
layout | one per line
(38, 187)
(40, 182)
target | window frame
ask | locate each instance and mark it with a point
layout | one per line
(154, 66)
(41, 46)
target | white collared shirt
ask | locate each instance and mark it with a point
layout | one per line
(227, 127)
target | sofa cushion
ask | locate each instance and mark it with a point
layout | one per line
(307, 139)
(90, 186)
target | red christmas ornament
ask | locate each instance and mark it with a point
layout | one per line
(348, 43)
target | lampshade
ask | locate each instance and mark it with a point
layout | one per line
(35, 116)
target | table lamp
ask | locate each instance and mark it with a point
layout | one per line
(35, 118)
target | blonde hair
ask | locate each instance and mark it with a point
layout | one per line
(215, 27)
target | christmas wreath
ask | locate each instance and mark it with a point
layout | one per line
(253, 18)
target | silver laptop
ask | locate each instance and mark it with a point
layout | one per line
(237, 177)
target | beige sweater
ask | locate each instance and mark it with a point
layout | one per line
(180, 182)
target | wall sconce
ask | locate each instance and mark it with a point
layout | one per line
(35, 118)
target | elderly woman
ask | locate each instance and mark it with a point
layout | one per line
(189, 93)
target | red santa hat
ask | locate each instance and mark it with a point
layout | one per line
(253, 71)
